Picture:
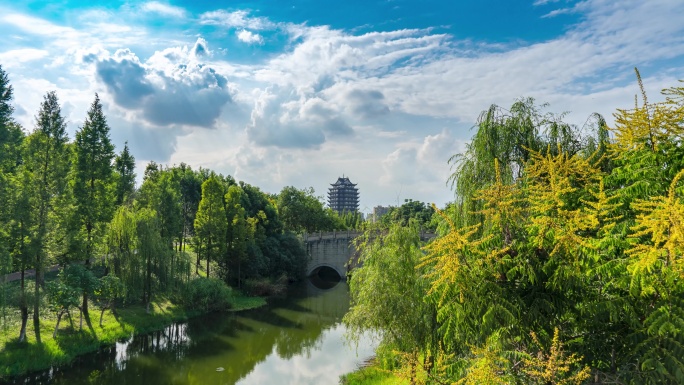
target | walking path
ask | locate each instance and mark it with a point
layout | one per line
(28, 273)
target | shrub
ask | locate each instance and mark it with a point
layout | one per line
(264, 287)
(208, 295)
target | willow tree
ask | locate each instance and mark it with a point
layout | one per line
(388, 294)
(93, 178)
(46, 159)
(504, 136)
(123, 262)
(149, 248)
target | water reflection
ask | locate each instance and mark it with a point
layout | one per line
(293, 340)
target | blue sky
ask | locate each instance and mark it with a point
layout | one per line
(299, 92)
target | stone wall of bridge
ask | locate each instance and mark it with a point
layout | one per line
(331, 249)
(335, 250)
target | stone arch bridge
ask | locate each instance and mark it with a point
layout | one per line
(335, 250)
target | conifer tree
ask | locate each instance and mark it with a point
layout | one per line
(47, 160)
(92, 182)
(124, 164)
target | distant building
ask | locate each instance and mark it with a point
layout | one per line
(343, 196)
(379, 211)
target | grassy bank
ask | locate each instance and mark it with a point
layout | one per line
(70, 342)
(371, 375)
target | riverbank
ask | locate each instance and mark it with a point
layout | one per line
(70, 342)
(371, 375)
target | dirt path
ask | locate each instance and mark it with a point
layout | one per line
(28, 273)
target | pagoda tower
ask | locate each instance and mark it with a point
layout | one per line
(343, 196)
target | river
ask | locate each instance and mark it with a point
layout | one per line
(298, 339)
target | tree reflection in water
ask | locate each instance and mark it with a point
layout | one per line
(297, 337)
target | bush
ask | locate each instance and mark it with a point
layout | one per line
(264, 287)
(208, 295)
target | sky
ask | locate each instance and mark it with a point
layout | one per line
(301, 92)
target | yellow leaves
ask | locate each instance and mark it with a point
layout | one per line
(554, 367)
(649, 126)
(661, 223)
(553, 181)
(449, 255)
(502, 205)
(487, 367)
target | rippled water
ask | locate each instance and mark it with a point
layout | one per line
(293, 340)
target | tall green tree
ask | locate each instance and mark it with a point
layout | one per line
(190, 195)
(47, 160)
(124, 164)
(93, 178)
(238, 236)
(301, 210)
(211, 223)
(11, 139)
(21, 221)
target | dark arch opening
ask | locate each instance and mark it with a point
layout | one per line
(324, 277)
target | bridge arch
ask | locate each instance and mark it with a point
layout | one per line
(313, 268)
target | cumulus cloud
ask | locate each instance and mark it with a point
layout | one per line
(366, 104)
(173, 87)
(248, 37)
(421, 163)
(280, 120)
(378, 101)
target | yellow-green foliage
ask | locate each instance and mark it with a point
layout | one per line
(660, 223)
(552, 238)
(554, 367)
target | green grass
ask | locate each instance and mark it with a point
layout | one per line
(70, 342)
(370, 375)
(245, 303)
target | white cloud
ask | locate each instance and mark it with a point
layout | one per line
(163, 9)
(37, 26)
(560, 11)
(173, 87)
(236, 19)
(17, 57)
(386, 108)
(544, 2)
(248, 37)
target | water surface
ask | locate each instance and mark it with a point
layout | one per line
(293, 340)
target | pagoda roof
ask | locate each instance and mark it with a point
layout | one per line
(343, 181)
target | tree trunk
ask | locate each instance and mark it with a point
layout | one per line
(36, 300)
(149, 283)
(84, 305)
(102, 314)
(197, 263)
(23, 307)
(59, 318)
